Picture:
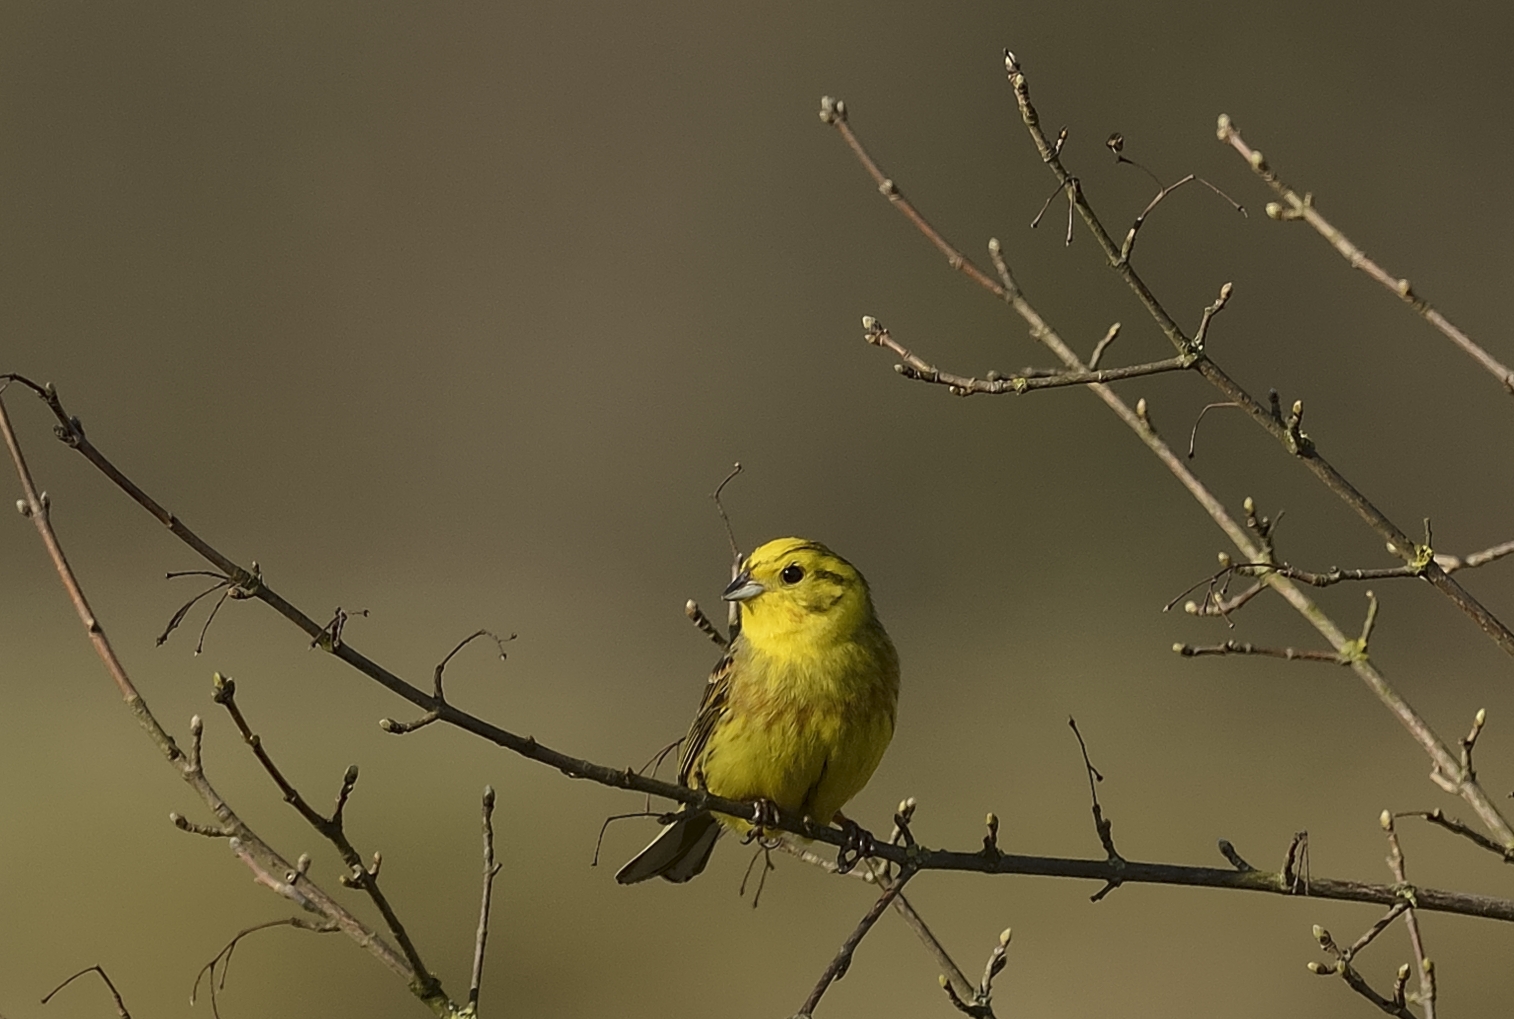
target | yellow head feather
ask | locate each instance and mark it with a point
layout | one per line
(797, 591)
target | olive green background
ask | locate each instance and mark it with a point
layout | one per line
(458, 313)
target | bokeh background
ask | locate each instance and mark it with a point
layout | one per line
(458, 314)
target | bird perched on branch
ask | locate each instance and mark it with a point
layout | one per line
(797, 713)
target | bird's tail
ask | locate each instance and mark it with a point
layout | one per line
(678, 853)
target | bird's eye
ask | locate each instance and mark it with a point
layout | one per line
(793, 573)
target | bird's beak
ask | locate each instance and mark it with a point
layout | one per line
(742, 588)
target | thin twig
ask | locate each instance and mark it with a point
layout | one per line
(833, 112)
(913, 367)
(733, 608)
(1296, 206)
(399, 728)
(1328, 578)
(1103, 345)
(980, 1004)
(1425, 965)
(1130, 237)
(250, 848)
(1289, 434)
(178, 617)
(923, 858)
(1193, 435)
(1342, 967)
(491, 870)
(358, 875)
(1451, 824)
(1295, 877)
(1216, 603)
(843, 960)
(1201, 335)
(1451, 563)
(1371, 933)
(97, 968)
(1116, 144)
(720, 507)
(1235, 647)
(1227, 850)
(873, 875)
(1101, 824)
(221, 961)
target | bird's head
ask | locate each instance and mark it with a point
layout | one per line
(793, 590)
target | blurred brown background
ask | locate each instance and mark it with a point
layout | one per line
(458, 314)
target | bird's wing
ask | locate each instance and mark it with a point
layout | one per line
(712, 709)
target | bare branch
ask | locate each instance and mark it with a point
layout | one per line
(1426, 965)
(1116, 143)
(833, 112)
(1102, 825)
(1393, 1006)
(1234, 647)
(491, 870)
(979, 1005)
(1193, 435)
(97, 968)
(221, 962)
(1288, 433)
(1217, 600)
(1130, 237)
(1102, 345)
(1451, 563)
(1209, 312)
(332, 829)
(720, 507)
(1451, 824)
(267, 864)
(843, 960)
(873, 874)
(399, 728)
(1296, 206)
(921, 857)
(993, 383)
(1294, 877)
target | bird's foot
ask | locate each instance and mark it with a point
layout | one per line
(856, 845)
(764, 817)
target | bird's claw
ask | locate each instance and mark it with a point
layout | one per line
(764, 817)
(856, 845)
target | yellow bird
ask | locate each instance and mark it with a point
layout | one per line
(797, 713)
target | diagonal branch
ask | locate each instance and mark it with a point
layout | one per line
(1451, 824)
(834, 112)
(1447, 771)
(333, 828)
(843, 960)
(918, 857)
(1296, 206)
(950, 971)
(1286, 432)
(249, 847)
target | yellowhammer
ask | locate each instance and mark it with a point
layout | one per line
(799, 711)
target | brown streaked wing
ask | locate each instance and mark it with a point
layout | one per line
(711, 710)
